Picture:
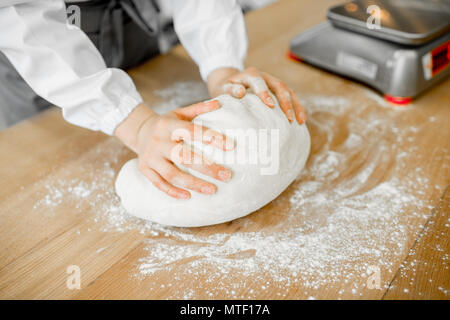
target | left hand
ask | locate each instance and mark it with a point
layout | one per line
(235, 83)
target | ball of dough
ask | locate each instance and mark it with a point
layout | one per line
(254, 183)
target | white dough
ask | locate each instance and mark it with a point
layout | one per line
(247, 191)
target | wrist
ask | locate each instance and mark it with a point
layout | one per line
(128, 130)
(217, 78)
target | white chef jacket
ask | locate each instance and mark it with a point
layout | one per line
(62, 65)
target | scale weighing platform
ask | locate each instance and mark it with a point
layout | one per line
(401, 47)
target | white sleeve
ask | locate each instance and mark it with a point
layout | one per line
(62, 65)
(213, 32)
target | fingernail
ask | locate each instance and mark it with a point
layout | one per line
(229, 144)
(225, 175)
(208, 190)
(238, 90)
(185, 195)
(303, 116)
(289, 115)
(270, 101)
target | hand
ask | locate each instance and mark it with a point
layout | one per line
(235, 83)
(158, 141)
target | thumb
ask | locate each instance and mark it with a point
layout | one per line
(235, 89)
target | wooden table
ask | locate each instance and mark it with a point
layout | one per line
(57, 183)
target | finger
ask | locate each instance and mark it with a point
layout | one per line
(163, 185)
(212, 170)
(184, 180)
(192, 111)
(284, 98)
(188, 131)
(283, 94)
(235, 89)
(300, 112)
(185, 156)
(259, 86)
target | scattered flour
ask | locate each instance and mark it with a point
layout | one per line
(326, 230)
(181, 94)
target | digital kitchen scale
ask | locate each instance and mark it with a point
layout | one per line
(407, 54)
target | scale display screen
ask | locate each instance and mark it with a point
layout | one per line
(436, 60)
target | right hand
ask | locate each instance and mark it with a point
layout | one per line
(158, 141)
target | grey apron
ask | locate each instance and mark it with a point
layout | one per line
(125, 33)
